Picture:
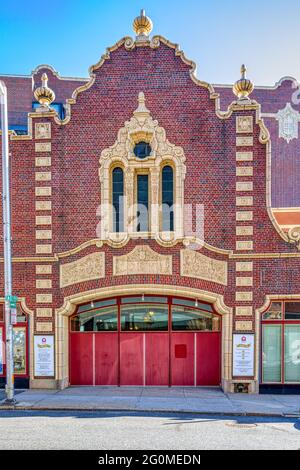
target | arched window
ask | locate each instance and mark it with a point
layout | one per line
(142, 191)
(167, 199)
(118, 200)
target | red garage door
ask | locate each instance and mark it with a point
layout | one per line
(208, 355)
(182, 359)
(157, 359)
(81, 370)
(145, 341)
(106, 358)
(131, 359)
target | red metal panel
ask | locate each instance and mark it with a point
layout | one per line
(81, 358)
(208, 358)
(157, 358)
(182, 359)
(106, 358)
(131, 359)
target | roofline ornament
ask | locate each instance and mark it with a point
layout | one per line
(243, 87)
(44, 95)
(142, 26)
(288, 119)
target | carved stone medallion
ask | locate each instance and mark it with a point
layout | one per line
(288, 119)
(43, 130)
(142, 260)
(85, 269)
(194, 264)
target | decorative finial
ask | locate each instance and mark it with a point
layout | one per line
(141, 110)
(243, 87)
(141, 98)
(45, 80)
(142, 25)
(43, 94)
(243, 71)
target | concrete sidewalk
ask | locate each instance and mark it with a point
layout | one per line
(160, 399)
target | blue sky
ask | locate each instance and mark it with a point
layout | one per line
(217, 35)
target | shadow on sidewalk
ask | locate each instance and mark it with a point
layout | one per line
(241, 422)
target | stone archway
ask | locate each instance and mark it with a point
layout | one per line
(68, 308)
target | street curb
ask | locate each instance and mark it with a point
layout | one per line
(131, 410)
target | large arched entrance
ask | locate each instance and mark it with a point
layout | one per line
(145, 340)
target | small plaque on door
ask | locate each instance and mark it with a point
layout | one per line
(180, 351)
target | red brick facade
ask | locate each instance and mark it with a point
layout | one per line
(187, 112)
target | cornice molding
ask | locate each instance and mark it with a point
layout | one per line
(277, 84)
(185, 241)
(56, 73)
(286, 209)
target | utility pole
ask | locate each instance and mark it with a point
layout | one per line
(7, 247)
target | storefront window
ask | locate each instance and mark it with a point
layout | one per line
(184, 318)
(292, 310)
(19, 351)
(292, 353)
(281, 343)
(144, 318)
(274, 312)
(21, 317)
(271, 353)
(105, 319)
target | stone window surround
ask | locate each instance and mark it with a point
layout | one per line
(155, 195)
(141, 127)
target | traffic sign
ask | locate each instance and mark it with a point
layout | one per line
(13, 299)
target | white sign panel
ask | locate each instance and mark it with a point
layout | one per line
(243, 355)
(1, 352)
(44, 356)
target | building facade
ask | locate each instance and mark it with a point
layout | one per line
(155, 225)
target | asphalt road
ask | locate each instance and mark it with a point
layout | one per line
(115, 430)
